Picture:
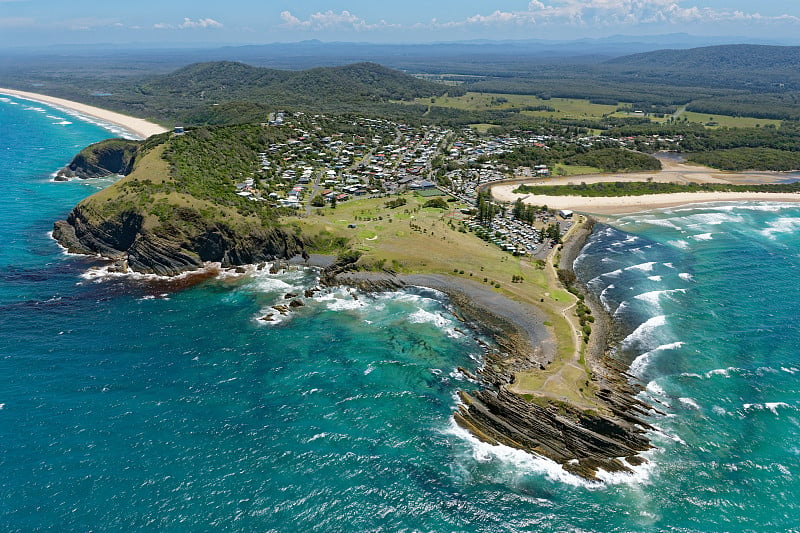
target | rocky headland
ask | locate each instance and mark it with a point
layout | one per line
(156, 221)
(609, 436)
(106, 158)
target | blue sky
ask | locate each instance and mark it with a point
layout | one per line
(43, 22)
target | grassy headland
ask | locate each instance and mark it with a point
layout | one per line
(413, 239)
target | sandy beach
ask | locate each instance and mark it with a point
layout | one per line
(673, 172)
(633, 204)
(137, 126)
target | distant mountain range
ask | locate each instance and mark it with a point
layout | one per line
(513, 55)
(224, 91)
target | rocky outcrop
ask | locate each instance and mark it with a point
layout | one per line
(106, 158)
(610, 436)
(581, 440)
(169, 250)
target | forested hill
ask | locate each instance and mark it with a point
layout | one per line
(733, 56)
(231, 80)
(226, 92)
(742, 66)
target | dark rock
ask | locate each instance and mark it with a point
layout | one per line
(106, 158)
(289, 296)
(167, 250)
(296, 303)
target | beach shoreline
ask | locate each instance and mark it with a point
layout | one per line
(136, 126)
(672, 171)
(624, 205)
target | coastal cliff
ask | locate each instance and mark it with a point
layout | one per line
(174, 248)
(166, 217)
(105, 158)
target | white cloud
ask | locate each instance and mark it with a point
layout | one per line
(189, 24)
(332, 20)
(611, 13)
(201, 23)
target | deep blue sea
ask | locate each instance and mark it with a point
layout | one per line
(125, 405)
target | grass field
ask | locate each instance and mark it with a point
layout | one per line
(719, 121)
(563, 107)
(575, 108)
(414, 239)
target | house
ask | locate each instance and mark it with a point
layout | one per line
(421, 185)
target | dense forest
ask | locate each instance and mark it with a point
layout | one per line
(228, 92)
(607, 159)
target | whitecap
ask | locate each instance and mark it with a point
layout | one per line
(653, 388)
(317, 436)
(683, 245)
(782, 225)
(655, 278)
(517, 462)
(773, 406)
(703, 237)
(685, 276)
(724, 372)
(654, 297)
(640, 363)
(421, 316)
(645, 331)
(690, 403)
(336, 303)
(643, 267)
(105, 273)
(715, 218)
(662, 222)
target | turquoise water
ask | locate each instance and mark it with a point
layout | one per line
(127, 405)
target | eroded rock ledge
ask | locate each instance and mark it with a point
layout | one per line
(172, 249)
(609, 437)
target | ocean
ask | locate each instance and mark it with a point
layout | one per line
(128, 405)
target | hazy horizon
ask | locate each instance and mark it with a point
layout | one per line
(180, 23)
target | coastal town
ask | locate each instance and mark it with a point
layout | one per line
(315, 170)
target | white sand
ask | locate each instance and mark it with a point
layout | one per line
(633, 204)
(137, 126)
